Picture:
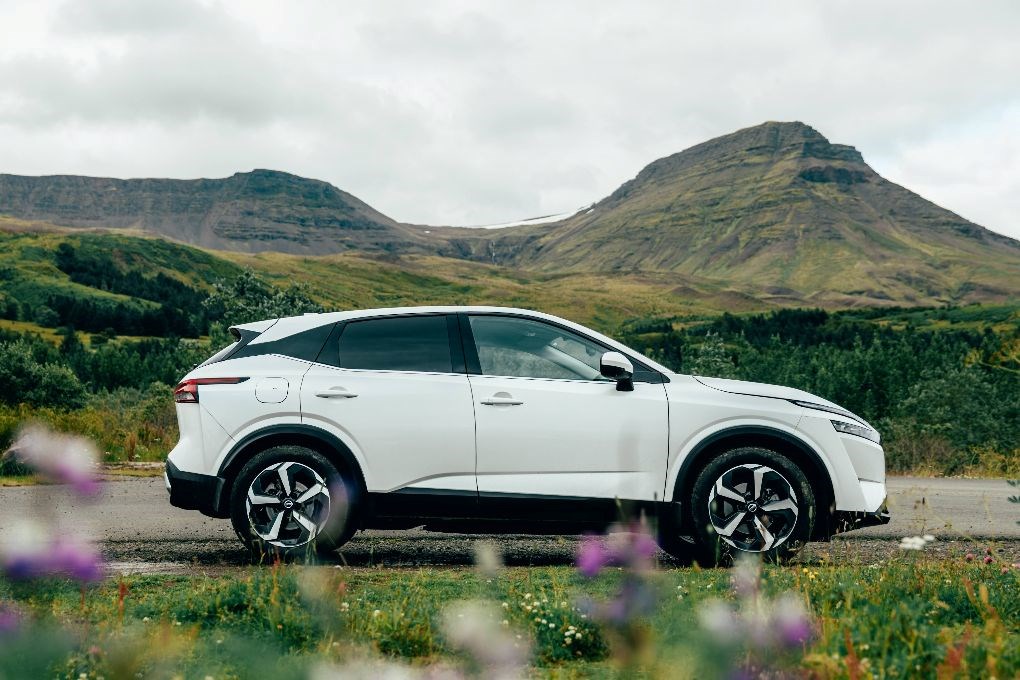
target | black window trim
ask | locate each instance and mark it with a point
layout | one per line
(330, 353)
(474, 365)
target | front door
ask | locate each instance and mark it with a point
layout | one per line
(397, 393)
(548, 424)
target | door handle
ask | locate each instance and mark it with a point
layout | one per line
(502, 399)
(336, 393)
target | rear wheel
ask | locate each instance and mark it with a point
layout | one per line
(290, 502)
(750, 500)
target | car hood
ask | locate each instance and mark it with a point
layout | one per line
(763, 390)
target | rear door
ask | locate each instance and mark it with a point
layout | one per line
(395, 389)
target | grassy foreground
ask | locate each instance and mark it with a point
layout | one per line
(910, 617)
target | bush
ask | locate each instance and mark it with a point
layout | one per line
(27, 381)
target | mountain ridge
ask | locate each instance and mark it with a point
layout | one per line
(775, 207)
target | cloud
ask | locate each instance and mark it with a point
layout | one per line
(458, 113)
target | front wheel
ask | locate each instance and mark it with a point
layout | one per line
(750, 500)
(290, 502)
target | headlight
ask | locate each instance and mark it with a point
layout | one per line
(855, 429)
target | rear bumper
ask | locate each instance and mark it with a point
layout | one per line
(192, 491)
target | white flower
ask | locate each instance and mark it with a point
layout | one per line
(487, 559)
(915, 542)
(376, 613)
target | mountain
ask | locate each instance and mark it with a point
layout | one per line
(774, 211)
(247, 212)
(778, 207)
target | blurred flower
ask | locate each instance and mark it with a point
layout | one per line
(487, 559)
(989, 559)
(626, 545)
(755, 629)
(62, 458)
(11, 618)
(719, 619)
(791, 621)
(592, 556)
(33, 552)
(476, 629)
(746, 577)
(915, 542)
(969, 557)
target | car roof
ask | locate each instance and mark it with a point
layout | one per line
(275, 329)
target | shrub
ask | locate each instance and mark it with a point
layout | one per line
(26, 381)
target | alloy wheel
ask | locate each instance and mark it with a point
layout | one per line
(288, 504)
(753, 507)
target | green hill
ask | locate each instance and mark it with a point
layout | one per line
(137, 285)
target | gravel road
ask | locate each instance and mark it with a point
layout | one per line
(141, 532)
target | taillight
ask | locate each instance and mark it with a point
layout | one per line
(187, 391)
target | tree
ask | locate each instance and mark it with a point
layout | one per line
(248, 298)
(711, 358)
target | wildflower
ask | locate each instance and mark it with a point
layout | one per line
(719, 619)
(377, 612)
(989, 559)
(915, 542)
(791, 621)
(34, 554)
(487, 559)
(472, 627)
(969, 557)
(64, 459)
(592, 556)
(10, 618)
(746, 576)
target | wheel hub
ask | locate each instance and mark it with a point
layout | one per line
(753, 507)
(288, 504)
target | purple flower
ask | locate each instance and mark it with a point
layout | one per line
(11, 618)
(592, 556)
(40, 556)
(626, 545)
(64, 459)
(791, 621)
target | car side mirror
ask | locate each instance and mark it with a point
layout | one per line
(618, 367)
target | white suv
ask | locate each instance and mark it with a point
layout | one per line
(496, 420)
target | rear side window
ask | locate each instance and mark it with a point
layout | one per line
(409, 343)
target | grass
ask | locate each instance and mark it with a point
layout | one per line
(905, 618)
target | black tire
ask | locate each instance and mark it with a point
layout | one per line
(335, 522)
(783, 486)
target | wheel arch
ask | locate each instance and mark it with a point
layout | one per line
(311, 437)
(785, 443)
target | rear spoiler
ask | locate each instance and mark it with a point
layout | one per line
(256, 327)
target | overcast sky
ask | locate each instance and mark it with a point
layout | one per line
(472, 113)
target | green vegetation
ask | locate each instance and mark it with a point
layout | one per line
(910, 617)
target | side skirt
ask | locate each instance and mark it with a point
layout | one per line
(468, 512)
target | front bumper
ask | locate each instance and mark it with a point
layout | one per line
(192, 491)
(844, 520)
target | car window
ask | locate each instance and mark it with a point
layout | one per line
(509, 346)
(410, 343)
